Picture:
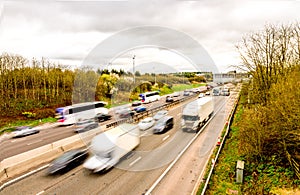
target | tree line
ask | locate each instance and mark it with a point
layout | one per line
(270, 129)
(35, 85)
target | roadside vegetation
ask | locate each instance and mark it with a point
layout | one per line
(32, 89)
(181, 87)
(9, 127)
(266, 129)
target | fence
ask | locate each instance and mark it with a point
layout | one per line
(141, 115)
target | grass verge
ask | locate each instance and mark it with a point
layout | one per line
(11, 127)
(267, 176)
(181, 87)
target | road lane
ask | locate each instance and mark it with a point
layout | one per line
(11, 147)
(116, 181)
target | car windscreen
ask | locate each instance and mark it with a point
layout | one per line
(83, 122)
(161, 122)
(190, 118)
(65, 157)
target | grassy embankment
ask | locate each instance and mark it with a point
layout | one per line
(11, 126)
(264, 177)
(181, 87)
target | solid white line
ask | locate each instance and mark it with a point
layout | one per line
(133, 162)
(148, 192)
(41, 192)
(166, 137)
(34, 142)
(22, 176)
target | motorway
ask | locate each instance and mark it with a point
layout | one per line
(11, 147)
(138, 171)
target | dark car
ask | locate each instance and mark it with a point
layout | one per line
(136, 103)
(25, 131)
(85, 125)
(164, 124)
(126, 113)
(169, 99)
(67, 161)
(186, 93)
(102, 117)
(140, 109)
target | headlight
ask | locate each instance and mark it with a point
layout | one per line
(195, 124)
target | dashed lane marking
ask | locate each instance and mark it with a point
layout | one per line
(166, 137)
(135, 161)
(34, 142)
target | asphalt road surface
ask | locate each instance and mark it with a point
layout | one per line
(138, 171)
(14, 146)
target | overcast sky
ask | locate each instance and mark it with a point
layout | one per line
(68, 31)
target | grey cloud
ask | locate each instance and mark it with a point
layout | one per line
(218, 23)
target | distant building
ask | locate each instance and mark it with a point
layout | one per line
(228, 77)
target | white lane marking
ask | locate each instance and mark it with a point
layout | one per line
(41, 192)
(22, 177)
(70, 126)
(135, 161)
(34, 142)
(148, 192)
(144, 134)
(166, 137)
(17, 140)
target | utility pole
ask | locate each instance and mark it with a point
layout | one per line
(133, 70)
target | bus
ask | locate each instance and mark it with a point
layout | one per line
(71, 114)
(148, 97)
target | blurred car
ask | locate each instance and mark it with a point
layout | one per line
(201, 95)
(207, 93)
(176, 94)
(169, 99)
(186, 93)
(25, 131)
(160, 114)
(196, 90)
(126, 113)
(136, 103)
(67, 161)
(102, 117)
(164, 124)
(146, 123)
(140, 109)
(85, 125)
(118, 110)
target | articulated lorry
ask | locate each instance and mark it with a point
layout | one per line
(196, 113)
(110, 146)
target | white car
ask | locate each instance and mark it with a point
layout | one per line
(176, 94)
(24, 131)
(160, 114)
(146, 123)
(201, 95)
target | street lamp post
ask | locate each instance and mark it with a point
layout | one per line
(154, 75)
(133, 71)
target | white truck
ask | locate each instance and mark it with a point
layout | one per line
(196, 113)
(110, 146)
